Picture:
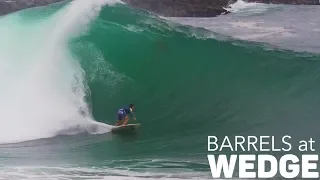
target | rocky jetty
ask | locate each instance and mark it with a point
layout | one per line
(200, 8)
(177, 8)
(296, 2)
(9, 6)
(182, 8)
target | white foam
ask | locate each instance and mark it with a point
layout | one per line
(265, 23)
(66, 173)
(240, 5)
(43, 89)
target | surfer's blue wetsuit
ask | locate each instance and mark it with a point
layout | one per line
(123, 112)
(122, 115)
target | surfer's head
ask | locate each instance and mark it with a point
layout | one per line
(131, 106)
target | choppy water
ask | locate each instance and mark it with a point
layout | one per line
(281, 26)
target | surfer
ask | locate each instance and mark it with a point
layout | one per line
(122, 115)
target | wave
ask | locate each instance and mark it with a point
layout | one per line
(45, 91)
(67, 67)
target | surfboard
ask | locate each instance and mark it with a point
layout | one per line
(128, 127)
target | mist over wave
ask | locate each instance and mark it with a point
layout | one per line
(45, 91)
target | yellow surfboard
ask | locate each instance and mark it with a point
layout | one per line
(126, 128)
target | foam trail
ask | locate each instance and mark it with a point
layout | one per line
(45, 93)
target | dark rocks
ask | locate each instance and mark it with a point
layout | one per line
(199, 8)
(182, 8)
(9, 6)
(175, 8)
(296, 2)
(178, 8)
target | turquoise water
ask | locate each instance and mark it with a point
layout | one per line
(67, 67)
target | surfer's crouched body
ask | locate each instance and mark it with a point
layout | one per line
(122, 115)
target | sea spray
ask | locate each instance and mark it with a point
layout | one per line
(45, 95)
(240, 5)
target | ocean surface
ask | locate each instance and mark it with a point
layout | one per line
(66, 68)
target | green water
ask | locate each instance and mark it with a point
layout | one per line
(185, 88)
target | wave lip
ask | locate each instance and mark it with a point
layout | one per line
(47, 92)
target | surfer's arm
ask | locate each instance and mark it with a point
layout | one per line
(132, 115)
